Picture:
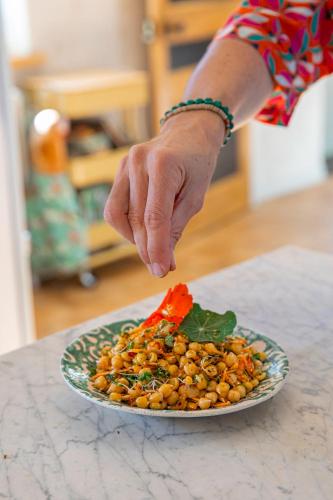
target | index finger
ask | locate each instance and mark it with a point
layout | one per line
(162, 191)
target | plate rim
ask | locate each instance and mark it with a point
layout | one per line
(242, 405)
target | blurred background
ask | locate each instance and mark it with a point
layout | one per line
(80, 82)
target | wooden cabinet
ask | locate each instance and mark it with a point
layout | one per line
(177, 34)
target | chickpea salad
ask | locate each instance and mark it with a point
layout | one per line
(180, 358)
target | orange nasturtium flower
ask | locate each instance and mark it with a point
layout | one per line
(175, 306)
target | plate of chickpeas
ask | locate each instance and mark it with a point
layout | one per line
(154, 368)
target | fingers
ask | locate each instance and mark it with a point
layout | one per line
(117, 205)
(137, 200)
(162, 191)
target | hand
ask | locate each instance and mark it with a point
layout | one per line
(162, 183)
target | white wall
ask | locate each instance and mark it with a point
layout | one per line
(285, 159)
(16, 323)
(77, 34)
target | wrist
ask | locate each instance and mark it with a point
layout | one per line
(201, 123)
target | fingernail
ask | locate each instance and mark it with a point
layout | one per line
(173, 263)
(157, 270)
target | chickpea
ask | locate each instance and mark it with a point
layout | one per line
(174, 382)
(204, 403)
(142, 402)
(232, 378)
(262, 376)
(257, 363)
(182, 390)
(179, 348)
(172, 360)
(155, 397)
(201, 381)
(101, 383)
(190, 354)
(231, 359)
(263, 356)
(255, 382)
(191, 405)
(211, 371)
(142, 371)
(117, 362)
(136, 368)
(134, 392)
(181, 339)
(248, 386)
(156, 406)
(163, 363)
(140, 358)
(195, 346)
(212, 396)
(211, 348)
(119, 347)
(123, 381)
(192, 392)
(236, 348)
(211, 386)
(103, 363)
(115, 388)
(234, 396)
(106, 349)
(183, 361)
(221, 366)
(126, 357)
(153, 346)
(188, 380)
(173, 370)
(191, 369)
(173, 398)
(166, 390)
(181, 404)
(222, 389)
(115, 396)
(203, 353)
(153, 357)
(138, 341)
(241, 389)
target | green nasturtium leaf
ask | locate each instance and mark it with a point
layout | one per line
(207, 326)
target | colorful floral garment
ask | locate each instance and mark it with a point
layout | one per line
(295, 38)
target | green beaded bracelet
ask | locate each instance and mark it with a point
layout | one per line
(204, 104)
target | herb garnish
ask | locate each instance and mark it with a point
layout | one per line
(162, 373)
(145, 377)
(169, 340)
(207, 326)
(256, 356)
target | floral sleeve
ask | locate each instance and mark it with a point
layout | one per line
(295, 38)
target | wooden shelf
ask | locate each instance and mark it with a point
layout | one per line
(101, 235)
(110, 255)
(88, 93)
(98, 168)
(33, 60)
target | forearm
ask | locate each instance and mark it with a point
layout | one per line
(235, 73)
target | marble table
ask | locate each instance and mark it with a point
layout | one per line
(55, 445)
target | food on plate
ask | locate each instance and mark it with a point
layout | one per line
(181, 357)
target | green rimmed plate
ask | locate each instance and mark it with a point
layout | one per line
(84, 350)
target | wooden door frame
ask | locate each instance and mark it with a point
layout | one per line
(164, 20)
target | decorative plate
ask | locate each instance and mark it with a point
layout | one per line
(83, 351)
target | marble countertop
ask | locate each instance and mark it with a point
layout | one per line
(55, 445)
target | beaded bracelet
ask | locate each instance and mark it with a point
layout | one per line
(204, 104)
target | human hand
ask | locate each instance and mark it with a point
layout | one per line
(161, 185)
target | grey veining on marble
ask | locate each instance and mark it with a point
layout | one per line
(55, 445)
